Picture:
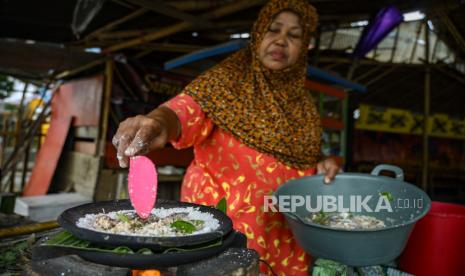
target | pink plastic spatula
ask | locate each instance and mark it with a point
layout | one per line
(142, 185)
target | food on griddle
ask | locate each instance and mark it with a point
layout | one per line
(160, 223)
(346, 221)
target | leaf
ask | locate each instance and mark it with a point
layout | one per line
(123, 217)
(144, 251)
(387, 195)
(221, 205)
(58, 239)
(9, 256)
(123, 250)
(183, 226)
(321, 218)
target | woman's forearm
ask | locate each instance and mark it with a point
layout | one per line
(168, 118)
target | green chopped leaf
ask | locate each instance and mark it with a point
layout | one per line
(221, 205)
(321, 218)
(123, 250)
(123, 217)
(144, 251)
(70, 242)
(10, 255)
(183, 226)
(387, 195)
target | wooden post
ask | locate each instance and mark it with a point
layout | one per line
(353, 66)
(435, 49)
(396, 41)
(415, 43)
(25, 166)
(426, 111)
(100, 151)
(17, 133)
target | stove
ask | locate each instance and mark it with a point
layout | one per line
(234, 259)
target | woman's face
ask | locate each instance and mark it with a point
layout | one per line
(282, 42)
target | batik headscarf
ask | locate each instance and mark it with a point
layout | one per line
(268, 110)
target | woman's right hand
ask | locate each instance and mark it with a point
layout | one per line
(143, 133)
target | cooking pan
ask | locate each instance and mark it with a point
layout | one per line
(357, 247)
(69, 218)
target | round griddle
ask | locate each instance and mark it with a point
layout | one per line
(69, 218)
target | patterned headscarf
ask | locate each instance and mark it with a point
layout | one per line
(268, 110)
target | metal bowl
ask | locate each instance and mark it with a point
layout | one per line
(356, 247)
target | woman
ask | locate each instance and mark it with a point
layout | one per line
(253, 127)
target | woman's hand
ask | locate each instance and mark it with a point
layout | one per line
(329, 167)
(143, 133)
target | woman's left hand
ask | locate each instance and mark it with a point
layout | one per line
(329, 167)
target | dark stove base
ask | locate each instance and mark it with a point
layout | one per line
(72, 265)
(234, 260)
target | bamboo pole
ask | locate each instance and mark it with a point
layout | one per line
(17, 134)
(387, 87)
(333, 38)
(452, 29)
(382, 75)
(344, 60)
(149, 37)
(124, 4)
(140, 32)
(170, 47)
(426, 111)
(163, 32)
(368, 73)
(160, 7)
(27, 229)
(124, 83)
(414, 49)
(126, 34)
(31, 130)
(68, 73)
(435, 49)
(115, 23)
(396, 41)
(100, 151)
(455, 77)
(25, 166)
(191, 5)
